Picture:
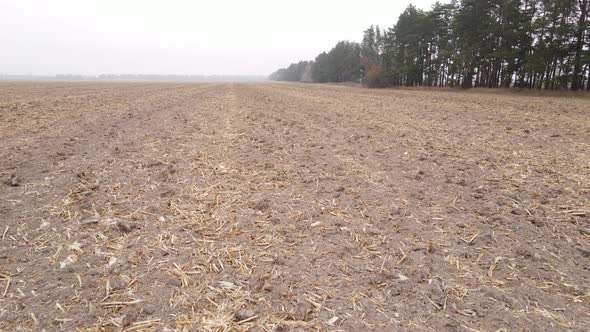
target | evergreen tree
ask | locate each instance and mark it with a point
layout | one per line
(542, 44)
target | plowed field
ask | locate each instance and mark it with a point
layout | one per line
(288, 207)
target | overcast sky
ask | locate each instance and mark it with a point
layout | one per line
(179, 36)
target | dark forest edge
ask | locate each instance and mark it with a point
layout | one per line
(536, 44)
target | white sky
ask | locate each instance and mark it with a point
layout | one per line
(179, 36)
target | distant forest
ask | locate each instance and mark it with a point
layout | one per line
(540, 44)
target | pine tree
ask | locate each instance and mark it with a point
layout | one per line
(542, 44)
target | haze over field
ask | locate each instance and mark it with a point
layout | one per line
(178, 37)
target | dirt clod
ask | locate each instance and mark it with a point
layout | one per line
(126, 227)
(244, 314)
(260, 205)
(13, 180)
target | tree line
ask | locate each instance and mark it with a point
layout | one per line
(341, 64)
(541, 44)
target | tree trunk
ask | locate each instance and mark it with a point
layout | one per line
(576, 77)
(468, 77)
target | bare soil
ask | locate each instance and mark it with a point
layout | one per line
(279, 207)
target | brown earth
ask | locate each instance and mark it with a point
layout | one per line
(278, 207)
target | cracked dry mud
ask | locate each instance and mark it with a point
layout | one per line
(279, 207)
